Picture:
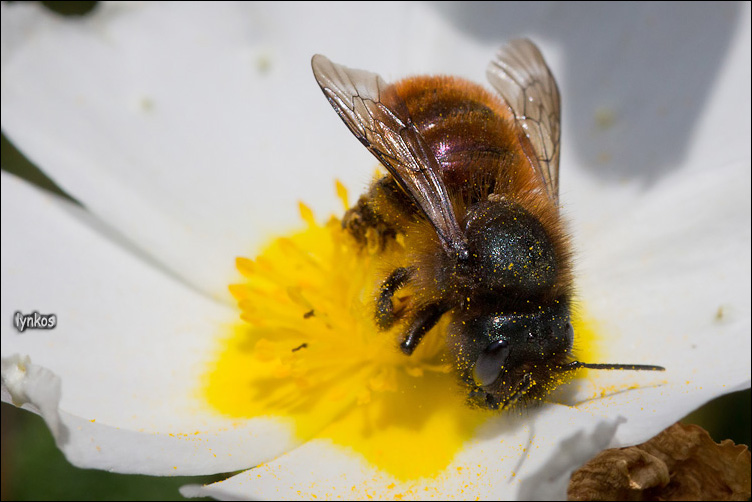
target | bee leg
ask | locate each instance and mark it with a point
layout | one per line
(385, 208)
(359, 218)
(424, 320)
(385, 317)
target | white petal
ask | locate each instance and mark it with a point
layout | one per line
(719, 213)
(670, 285)
(34, 388)
(664, 267)
(160, 162)
(197, 145)
(550, 480)
(119, 378)
(667, 88)
(495, 466)
(608, 37)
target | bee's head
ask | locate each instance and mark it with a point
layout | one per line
(503, 357)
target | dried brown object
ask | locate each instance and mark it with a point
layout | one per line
(680, 463)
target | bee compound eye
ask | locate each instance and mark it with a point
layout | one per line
(490, 362)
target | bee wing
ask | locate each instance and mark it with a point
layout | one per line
(520, 74)
(379, 118)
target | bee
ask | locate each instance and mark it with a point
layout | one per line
(473, 186)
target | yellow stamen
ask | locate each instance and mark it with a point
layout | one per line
(308, 352)
(306, 214)
(342, 194)
(244, 266)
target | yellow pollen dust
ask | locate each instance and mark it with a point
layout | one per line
(306, 351)
(587, 342)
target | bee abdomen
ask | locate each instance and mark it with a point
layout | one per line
(467, 128)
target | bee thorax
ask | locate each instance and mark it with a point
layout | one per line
(509, 250)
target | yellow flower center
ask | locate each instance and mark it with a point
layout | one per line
(308, 351)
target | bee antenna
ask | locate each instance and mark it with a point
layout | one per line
(601, 366)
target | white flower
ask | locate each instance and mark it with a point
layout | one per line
(188, 133)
